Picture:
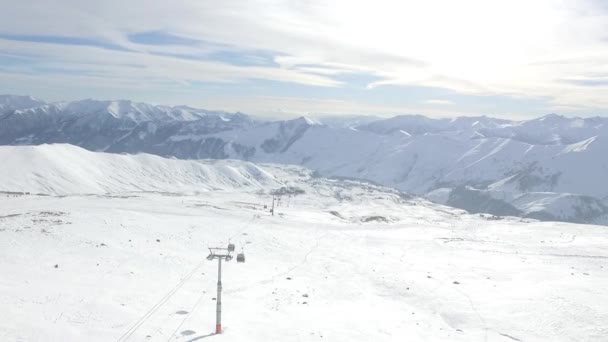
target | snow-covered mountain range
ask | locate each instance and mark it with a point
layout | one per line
(551, 168)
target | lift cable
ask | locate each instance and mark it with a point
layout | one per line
(187, 315)
(156, 306)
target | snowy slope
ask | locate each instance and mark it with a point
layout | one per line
(66, 169)
(553, 154)
(340, 261)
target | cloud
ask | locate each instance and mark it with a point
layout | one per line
(145, 67)
(281, 106)
(515, 48)
(439, 102)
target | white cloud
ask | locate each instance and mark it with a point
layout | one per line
(517, 48)
(144, 67)
(439, 102)
(280, 106)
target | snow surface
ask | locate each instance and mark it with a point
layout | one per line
(66, 169)
(343, 261)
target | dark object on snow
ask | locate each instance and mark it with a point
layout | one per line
(240, 257)
(374, 218)
(157, 240)
(289, 190)
(56, 266)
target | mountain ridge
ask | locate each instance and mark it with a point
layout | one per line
(513, 161)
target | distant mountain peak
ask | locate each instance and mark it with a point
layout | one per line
(308, 121)
(16, 102)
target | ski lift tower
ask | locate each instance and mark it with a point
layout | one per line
(220, 254)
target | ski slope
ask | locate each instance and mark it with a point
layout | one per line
(342, 261)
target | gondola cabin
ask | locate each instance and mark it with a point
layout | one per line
(240, 257)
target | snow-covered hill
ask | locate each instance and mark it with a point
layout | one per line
(528, 165)
(66, 169)
(339, 261)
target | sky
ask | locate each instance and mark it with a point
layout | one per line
(513, 59)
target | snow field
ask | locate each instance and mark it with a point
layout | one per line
(430, 274)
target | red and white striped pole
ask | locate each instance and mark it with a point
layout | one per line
(218, 311)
